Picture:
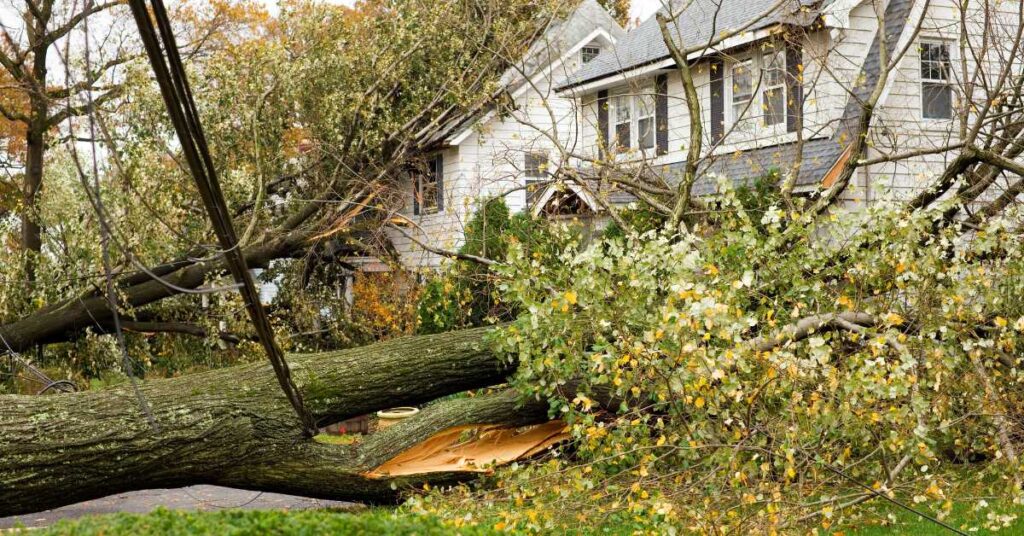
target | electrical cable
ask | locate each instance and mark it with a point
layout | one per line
(177, 94)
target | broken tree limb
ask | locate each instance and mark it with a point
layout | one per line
(805, 327)
(232, 427)
(66, 319)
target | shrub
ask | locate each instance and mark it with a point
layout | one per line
(466, 293)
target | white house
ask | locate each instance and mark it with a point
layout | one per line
(487, 153)
(798, 70)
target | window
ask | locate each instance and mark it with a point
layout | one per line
(645, 119)
(742, 89)
(936, 91)
(634, 119)
(429, 187)
(536, 165)
(758, 89)
(589, 53)
(773, 96)
(623, 121)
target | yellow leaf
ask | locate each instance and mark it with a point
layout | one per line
(570, 296)
(699, 402)
(893, 319)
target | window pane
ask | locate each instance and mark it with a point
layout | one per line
(742, 82)
(739, 111)
(937, 101)
(645, 103)
(536, 164)
(935, 62)
(622, 136)
(774, 68)
(428, 186)
(774, 106)
(622, 109)
(646, 137)
(589, 53)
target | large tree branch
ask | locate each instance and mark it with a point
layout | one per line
(805, 327)
(233, 427)
(64, 320)
(184, 328)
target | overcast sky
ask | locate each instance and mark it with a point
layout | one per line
(640, 9)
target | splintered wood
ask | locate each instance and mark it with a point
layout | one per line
(473, 448)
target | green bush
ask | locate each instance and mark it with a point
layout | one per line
(466, 293)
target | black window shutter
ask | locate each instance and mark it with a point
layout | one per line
(439, 175)
(602, 120)
(661, 113)
(794, 86)
(416, 176)
(717, 99)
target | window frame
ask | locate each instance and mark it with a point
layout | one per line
(735, 118)
(947, 83)
(648, 92)
(615, 121)
(637, 113)
(779, 54)
(429, 204)
(588, 48)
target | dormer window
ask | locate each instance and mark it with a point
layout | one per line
(589, 53)
(757, 89)
(633, 119)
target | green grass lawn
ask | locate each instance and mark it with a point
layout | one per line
(163, 522)
(873, 520)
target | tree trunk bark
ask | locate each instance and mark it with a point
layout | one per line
(234, 426)
(35, 138)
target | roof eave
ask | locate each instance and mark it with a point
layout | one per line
(589, 85)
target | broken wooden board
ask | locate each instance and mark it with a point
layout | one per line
(473, 448)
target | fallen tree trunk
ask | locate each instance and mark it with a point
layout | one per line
(233, 427)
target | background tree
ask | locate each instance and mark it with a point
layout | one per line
(25, 56)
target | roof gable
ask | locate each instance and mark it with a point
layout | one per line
(588, 21)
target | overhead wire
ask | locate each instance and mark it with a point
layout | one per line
(104, 229)
(169, 72)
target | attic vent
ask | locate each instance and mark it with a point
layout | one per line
(589, 53)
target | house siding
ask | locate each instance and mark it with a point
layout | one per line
(489, 162)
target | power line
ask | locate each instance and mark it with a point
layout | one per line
(177, 94)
